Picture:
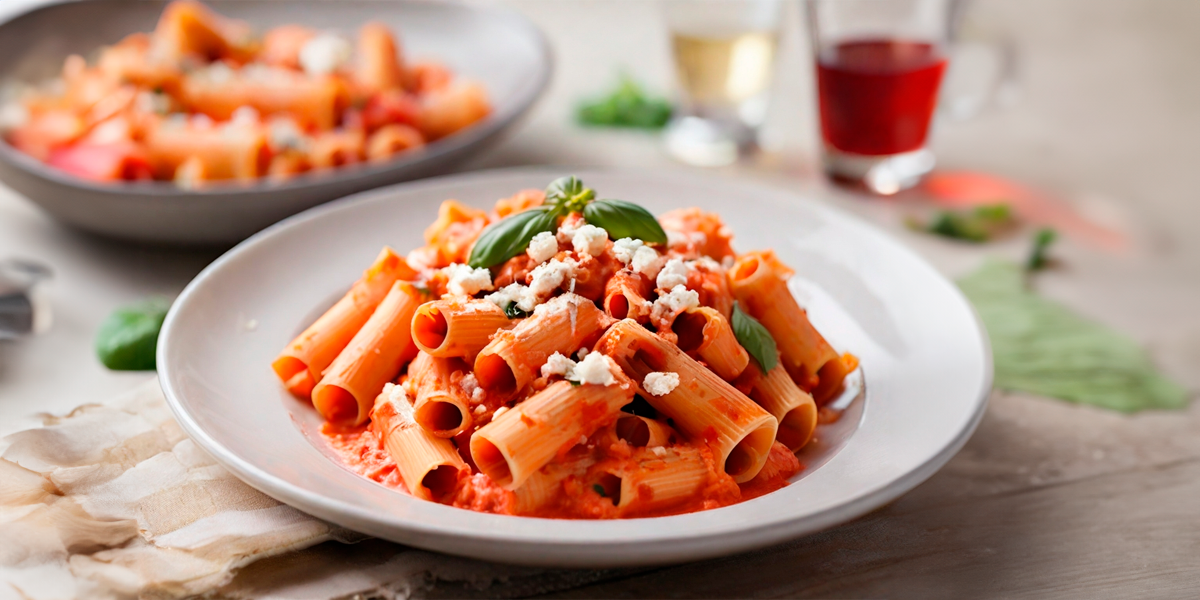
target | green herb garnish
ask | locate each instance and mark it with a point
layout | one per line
(127, 339)
(511, 236)
(978, 225)
(1042, 347)
(1041, 243)
(565, 195)
(512, 311)
(599, 490)
(755, 339)
(627, 106)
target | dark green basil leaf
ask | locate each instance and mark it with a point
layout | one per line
(1041, 243)
(623, 219)
(567, 194)
(510, 237)
(599, 489)
(513, 312)
(127, 339)
(755, 339)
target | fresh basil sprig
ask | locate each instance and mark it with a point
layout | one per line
(623, 219)
(755, 339)
(565, 195)
(512, 311)
(511, 236)
(127, 339)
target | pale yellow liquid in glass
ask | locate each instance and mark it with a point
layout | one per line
(727, 70)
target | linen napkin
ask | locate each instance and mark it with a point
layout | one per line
(113, 501)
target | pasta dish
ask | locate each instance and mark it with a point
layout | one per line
(572, 357)
(203, 98)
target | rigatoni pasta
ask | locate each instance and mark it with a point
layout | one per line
(524, 362)
(203, 98)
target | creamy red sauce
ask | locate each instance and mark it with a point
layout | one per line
(361, 451)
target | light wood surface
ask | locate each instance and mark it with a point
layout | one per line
(1047, 499)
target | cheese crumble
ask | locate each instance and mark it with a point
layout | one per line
(645, 261)
(547, 277)
(677, 300)
(465, 281)
(514, 293)
(595, 369)
(624, 249)
(590, 240)
(559, 365)
(660, 384)
(325, 54)
(674, 273)
(542, 247)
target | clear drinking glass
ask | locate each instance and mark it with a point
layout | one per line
(879, 67)
(724, 53)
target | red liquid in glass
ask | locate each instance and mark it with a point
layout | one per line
(877, 96)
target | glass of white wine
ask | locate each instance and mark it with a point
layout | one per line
(724, 53)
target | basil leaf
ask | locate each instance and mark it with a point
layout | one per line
(623, 219)
(1041, 243)
(510, 237)
(127, 339)
(513, 312)
(567, 194)
(599, 489)
(755, 339)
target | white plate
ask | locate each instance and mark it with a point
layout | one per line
(926, 360)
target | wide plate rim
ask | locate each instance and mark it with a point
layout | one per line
(679, 544)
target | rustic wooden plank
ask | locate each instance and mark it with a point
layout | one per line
(1127, 534)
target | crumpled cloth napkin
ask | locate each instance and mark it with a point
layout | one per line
(114, 501)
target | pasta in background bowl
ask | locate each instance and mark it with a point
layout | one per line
(925, 371)
(326, 99)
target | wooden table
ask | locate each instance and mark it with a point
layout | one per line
(1047, 498)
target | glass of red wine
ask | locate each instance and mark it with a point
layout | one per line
(879, 67)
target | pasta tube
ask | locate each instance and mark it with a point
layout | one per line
(457, 327)
(545, 485)
(643, 432)
(523, 439)
(625, 296)
(391, 140)
(654, 479)
(301, 364)
(440, 407)
(512, 359)
(792, 406)
(428, 465)
(703, 407)
(759, 282)
(373, 357)
(706, 335)
(379, 67)
(225, 153)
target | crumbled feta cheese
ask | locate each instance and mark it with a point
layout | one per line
(660, 384)
(589, 239)
(557, 364)
(283, 133)
(674, 273)
(470, 386)
(566, 231)
(675, 301)
(324, 54)
(542, 247)
(624, 249)
(514, 293)
(646, 261)
(465, 281)
(399, 397)
(595, 369)
(659, 451)
(479, 409)
(244, 115)
(217, 72)
(680, 238)
(582, 354)
(201, 121)
(499, 411)
(569, 302)
(547, 277)
(582, 439)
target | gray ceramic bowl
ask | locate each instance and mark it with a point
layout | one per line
(498, 47)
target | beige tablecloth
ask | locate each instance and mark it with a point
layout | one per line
(114, 501)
